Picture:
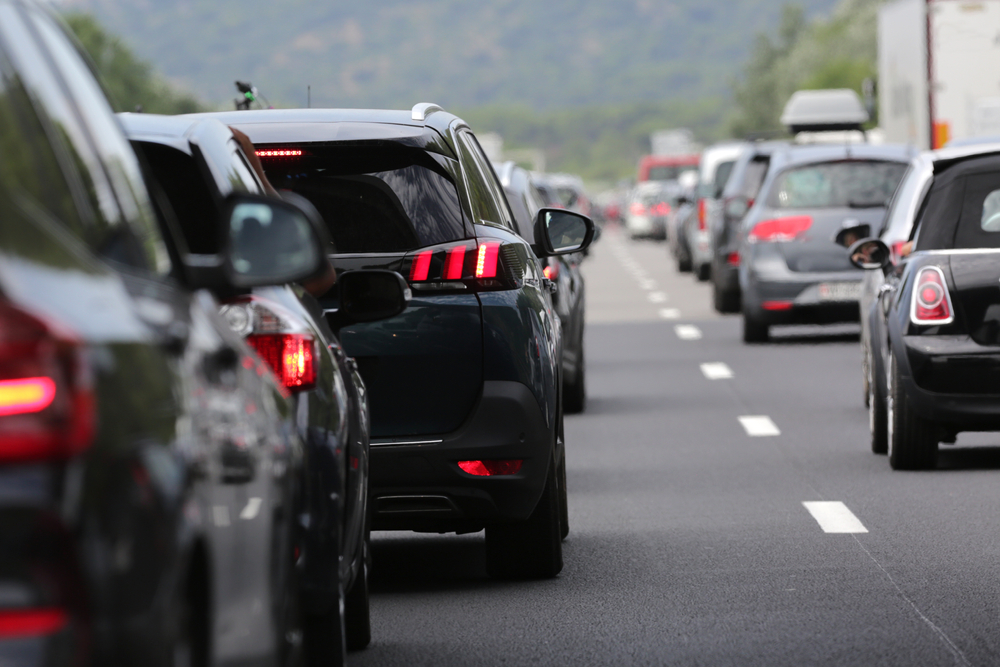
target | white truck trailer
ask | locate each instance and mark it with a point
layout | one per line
(939, 70)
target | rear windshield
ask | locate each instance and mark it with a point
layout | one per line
(375, 200)
(667, 172)
(964, 213)
(753, 178)
(854, 184)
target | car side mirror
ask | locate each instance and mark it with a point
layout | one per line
(368, 295)
(870, 254)
(737, 207)
(848, 235)
(561, 232)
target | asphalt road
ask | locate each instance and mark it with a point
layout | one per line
(690, 542)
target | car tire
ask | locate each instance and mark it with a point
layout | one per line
(575, 392)
(529, 549)
(877, 420)
(704, 272)
(324, 636)
(866, 374)
(683, 264)
(725, 301)
(754, 331)
(357, 611)
(563, 500)
(912, 443)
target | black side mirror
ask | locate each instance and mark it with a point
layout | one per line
(870, 254)
(561, 232)
(368, 295)
(736, 207)
(851, 233)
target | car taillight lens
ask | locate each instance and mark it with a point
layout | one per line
(21, 623)
(551, 271)
(47, 406)
(491, 468)
(702, 214)
(780, 230)
(292, 357)
(931, 301)
(482, 265)
(637, 209)
(663, 208)
(733, 259)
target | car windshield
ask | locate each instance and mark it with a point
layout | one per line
(666, 172)
(845, 184)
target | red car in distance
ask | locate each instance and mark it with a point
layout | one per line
(666, 167)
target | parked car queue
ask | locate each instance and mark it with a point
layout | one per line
(211, 392)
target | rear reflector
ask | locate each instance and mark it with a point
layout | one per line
(486, 260)
(780, 230)
(491, 468)
(733, 259)
(20, 623)
(454, 263)
(702, 214)
(777, 305)
(292, 357)
(931, 301)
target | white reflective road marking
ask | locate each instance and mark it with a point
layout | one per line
(251, 510)
(646, 283)
(220, 515)
(670, 313)
(834, 517)
(687, 332)
(759, 425)
(717, 371)
(657, 297)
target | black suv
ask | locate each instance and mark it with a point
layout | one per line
(465, 384)
(148, 460)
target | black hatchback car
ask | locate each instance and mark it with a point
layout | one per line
(148, 460)
(936, 330)
(465, 384)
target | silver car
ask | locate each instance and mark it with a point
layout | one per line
(716, 166)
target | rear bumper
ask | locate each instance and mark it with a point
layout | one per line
(954, 381)
(644, 225)
(768, 279)
(416, 483)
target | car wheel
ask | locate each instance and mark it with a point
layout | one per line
(704, 272)
(877, 421)
(683, 264)
(575, 392)
(912, 443)
(866, 374)
(324, 636)
(725, 302)
(754, 331)
(563, 499)
(529, 549)
(357, 615)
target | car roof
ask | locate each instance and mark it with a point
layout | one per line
(795, 154)
(944, 157)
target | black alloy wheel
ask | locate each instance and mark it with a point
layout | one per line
(324, 635)
(754, 331)
(912, 442)
(529, 549)
(357, 611)
(877, 422)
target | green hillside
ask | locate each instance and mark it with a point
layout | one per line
(544, 55)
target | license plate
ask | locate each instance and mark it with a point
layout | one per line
(839, 291)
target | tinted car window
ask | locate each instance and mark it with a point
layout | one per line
(753, 177)
(836, 184)
(722, 173)
(395, 201)
(486, 205)
(979, 224)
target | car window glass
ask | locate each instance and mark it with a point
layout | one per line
(979, 224)
(129, 234)
(722, 173)
(753, 178)
(29, 166)
(486, 206)
(860, 184)
(897, 218)
(241, 175)
(989, 220)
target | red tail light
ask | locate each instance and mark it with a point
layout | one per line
(20, 623)
(292, 357)
(491, 468)
(777, 305)
(454, 263)
(421, 265)
(780, 230)
(702, 214)
(486, 259)
(733, 259)
(551, 271)
(46, 396)
(280, 152)
(931, 300)
(637, 209)
(483, 265)
(663, 208)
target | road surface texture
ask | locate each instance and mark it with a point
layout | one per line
(725, 509)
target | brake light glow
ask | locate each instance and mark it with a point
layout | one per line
(663, 208)
(777, 305)
(486, 259)
(637, 209)
(454, 263)
(733, 259)
(551, 271)
(702, 214)
(931, 301)
(279, 153)
(18, 397)
(780, 230)
(291, 356)
(491, 468)
(18, 623)
(421, 266)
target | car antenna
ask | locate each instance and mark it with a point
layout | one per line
(309, 97)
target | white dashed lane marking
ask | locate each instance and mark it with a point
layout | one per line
(686, 331)
(672, 314)
(834, 517)
(657, 297)
(717, 371)
(759, 425)
(251, 510)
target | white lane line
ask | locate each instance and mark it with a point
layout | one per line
(717, 371)
(834, 517)
(687, 331)
(759, 425)
(657, 297)
(647, 284)
(671, 314)
(251, 510)
(220, 515)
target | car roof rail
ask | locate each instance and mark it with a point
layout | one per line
(423, 110)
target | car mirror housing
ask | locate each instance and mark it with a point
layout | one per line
(269, 241)
(368, 295)
(852, 232)
(737, 207)
(870, 254)
(561, 232)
